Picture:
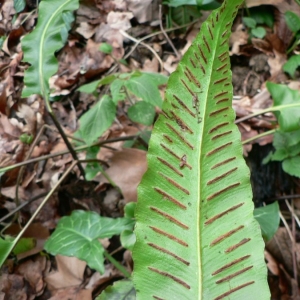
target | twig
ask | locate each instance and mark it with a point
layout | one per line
(258, 136)
(77, 149)
(21, 206)
(267, 110)
(18, 237)
(165, 34)
(145, 45)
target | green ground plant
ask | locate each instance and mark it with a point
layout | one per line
(196, 238)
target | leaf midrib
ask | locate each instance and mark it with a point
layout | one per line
(201, 150)
(42, 81)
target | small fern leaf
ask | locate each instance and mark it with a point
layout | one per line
(41, 44)
(196, 234)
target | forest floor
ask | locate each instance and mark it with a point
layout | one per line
(137, 32)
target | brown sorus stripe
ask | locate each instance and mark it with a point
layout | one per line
(197, 56)
(221, 176)
(174, 183)
(224, 33)
(226, 235)
(169, 166)
(224, 72)
(187, 76)
(220, 135)
(167, 138)
(169, 217)
(206, 43)
(234, 275)
(170, 151)
(169, 236)
(242, 242)
(218, 126)
(217, 17)
(175, 155)
(222, 100)
(223, 162)
(187, 87)
(157, 298)
(218, 111)
(181, 282)
(222, 67)
(192, 62)
(220, 94)
(220, 80)
(220, 215)
(233, 290)
(228, 24)
(164, 114)
(222, 55)
(234, 262)
(202, 68)
(180, 136)
(212, 23)
(223, 191)
(192, 76)
(224, 42)
(175, 106)
(169, 253)
(202, 54)
(181, 123)
(209, 30)
(218, 149)
(184, 106)
(170, 198)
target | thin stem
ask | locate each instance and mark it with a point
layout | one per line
(258, 136)
(267, 110)
(77, 149)
(18, 237)
(21, 206)
(117, 265)
(165, 34)
(145, 45)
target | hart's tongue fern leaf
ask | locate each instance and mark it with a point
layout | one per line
(196, 235)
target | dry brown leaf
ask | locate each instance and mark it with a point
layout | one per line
(71, 293)
(141, 10)
(69, 273)
(33, 272)
(126, 170)
(281, 249)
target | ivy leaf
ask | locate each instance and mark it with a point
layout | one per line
(259, 32)
(288, 102)
(19, 5)
(142, 112)
(120, 290)
(292, 20)
(286, 144)
(91, 87)
(291, 65)
(96, 120)
(268, 218)
(291, 166)
(106, 48)
(116, 93)
(249, 22)
(92, 168)
(78, 234)
(144, 88)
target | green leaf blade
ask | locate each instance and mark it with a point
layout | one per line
(41, 44)
(96, 120)
(78, 236)
(196, 234)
